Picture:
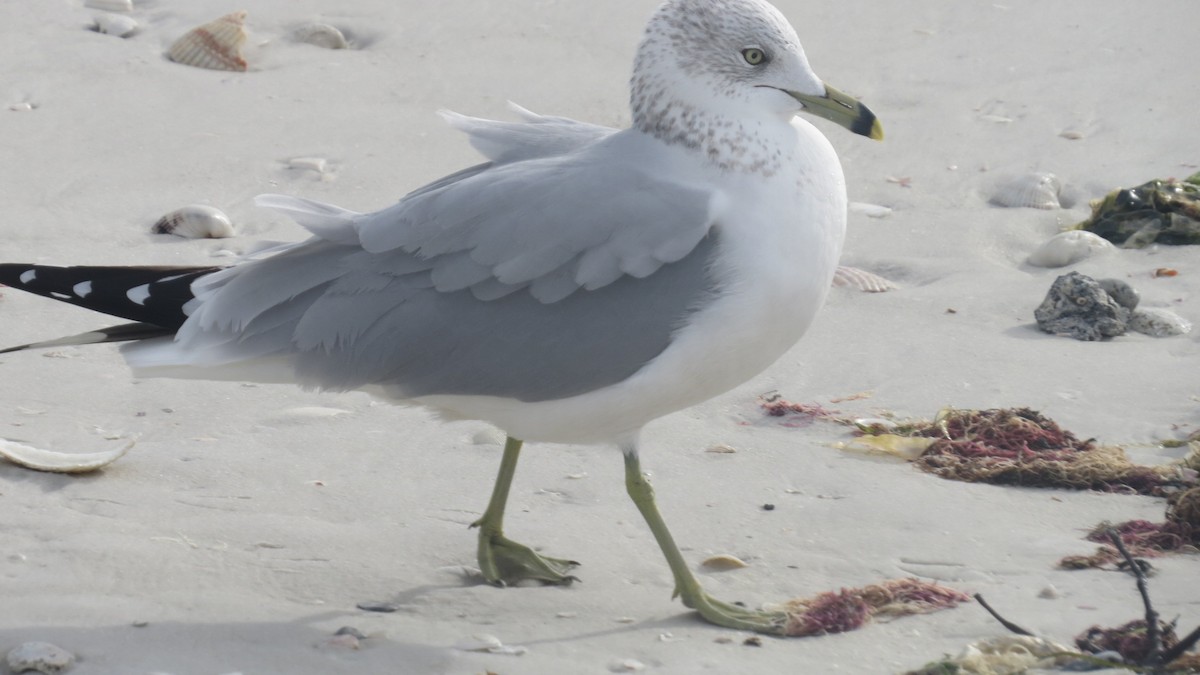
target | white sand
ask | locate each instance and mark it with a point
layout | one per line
(214, 530)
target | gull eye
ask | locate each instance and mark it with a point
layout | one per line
(754, 56)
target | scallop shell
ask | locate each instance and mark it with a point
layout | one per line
(116, 24)
(217, 45)
(321, 35)
(1157, 322)
(60, 462)
(195, 221)
(1066, 248)
(862, 280)
(1034, 190)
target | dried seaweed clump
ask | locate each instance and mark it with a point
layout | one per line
(851, 608)
(1160, 211)
(1180, 532)
(794, 414)
(1131, 640)
(1019, 446)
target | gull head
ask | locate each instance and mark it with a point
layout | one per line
(707, 65)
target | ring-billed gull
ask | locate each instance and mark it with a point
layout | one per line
(577, 285)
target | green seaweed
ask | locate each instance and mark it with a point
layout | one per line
(1160, 211)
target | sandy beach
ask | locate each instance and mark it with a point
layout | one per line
(249, 520)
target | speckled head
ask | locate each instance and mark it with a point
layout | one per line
(705, 67)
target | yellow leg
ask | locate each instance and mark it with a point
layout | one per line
(502, 560)
(686, 586)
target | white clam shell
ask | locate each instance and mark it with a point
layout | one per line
(116, 24)
(110, 5)
(217, 45)
(870, 210)
(1066, 248)
(321, 35)
(1157, 322)
(1033, 190)
(60, 462)
(318, 164)
(195, 221)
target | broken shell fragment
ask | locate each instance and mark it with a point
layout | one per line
(60, 462)
(863, 280)
(196, 221)
(217, 45)
(870, 210)
(1034, 190)
(1066, 248)
(115, 24)
(321, 35)
(723, 563)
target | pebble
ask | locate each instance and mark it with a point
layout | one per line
(626, 666)
(377, 606)
(1157, 322)
(39, 657)
(1049, 593)
(1121, 292)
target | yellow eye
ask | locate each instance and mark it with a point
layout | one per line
(754, 56)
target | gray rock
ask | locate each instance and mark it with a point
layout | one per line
(39, 657)
(1120, 291)
(1077, 306)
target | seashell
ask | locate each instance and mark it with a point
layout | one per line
(490, 644)
(39, 657)
(870, 210)
(60, 462)
(321, 35)
(318, 164)
(217, 45)
(195, 221)
(115, 24)
(1066, 248)
(862, 280)
(1034, 190)
(723, 563)
(1157, 322)
(110, 5)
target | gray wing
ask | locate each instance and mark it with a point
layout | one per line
(533, 279)
(374, 326)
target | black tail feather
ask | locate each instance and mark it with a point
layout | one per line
(147, 295)
(125, 332)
